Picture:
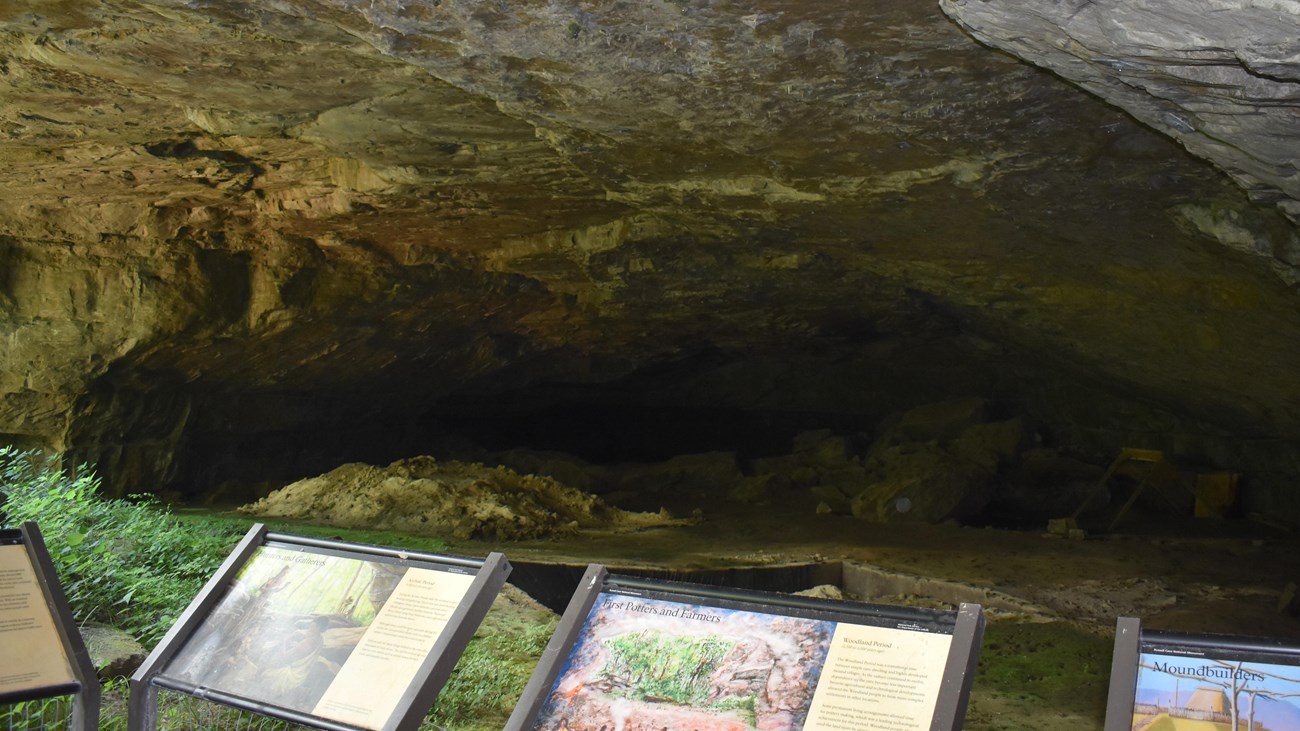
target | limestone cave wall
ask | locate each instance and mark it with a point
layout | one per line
(245, 241)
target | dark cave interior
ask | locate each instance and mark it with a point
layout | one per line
(765, 415)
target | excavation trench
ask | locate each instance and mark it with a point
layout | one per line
(553, 584)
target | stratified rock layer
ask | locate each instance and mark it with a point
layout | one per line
(1220, 76)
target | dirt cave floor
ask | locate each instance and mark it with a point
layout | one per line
(1050, 602)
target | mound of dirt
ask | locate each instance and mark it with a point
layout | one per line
(458, 499)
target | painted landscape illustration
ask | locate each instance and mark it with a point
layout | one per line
(649, 665)
(1201, 694)
(286, 626)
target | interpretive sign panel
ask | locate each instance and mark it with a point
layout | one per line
(1186, 682)
(639, 655)
(41, 651)
(331, 634)
(31, 654)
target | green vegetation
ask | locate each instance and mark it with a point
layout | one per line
(492, 673)
(1067, 667)
(134, 564)
(127, 563)
(37, 715)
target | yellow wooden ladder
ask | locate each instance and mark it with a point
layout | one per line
(1159, 470)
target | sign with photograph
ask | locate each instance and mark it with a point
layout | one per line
(1170, 681)
(323, 633)
(334, 636)
(1190, 688)
(645, 659)
(32, 655)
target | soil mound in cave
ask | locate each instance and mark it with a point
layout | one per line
(463, 499)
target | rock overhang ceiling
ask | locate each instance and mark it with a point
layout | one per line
(227, 228)
(1220, 76)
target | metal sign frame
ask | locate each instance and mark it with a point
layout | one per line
(489, 575)
(85, 691)
(965, 626)
(1131, 641)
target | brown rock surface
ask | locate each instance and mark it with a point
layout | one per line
(250, 240)
(1220, 76)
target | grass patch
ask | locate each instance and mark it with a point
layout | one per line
(487, 682)
(205, 520)
(1066, 667)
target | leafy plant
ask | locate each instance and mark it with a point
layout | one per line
(129, 562)
(36, 715)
